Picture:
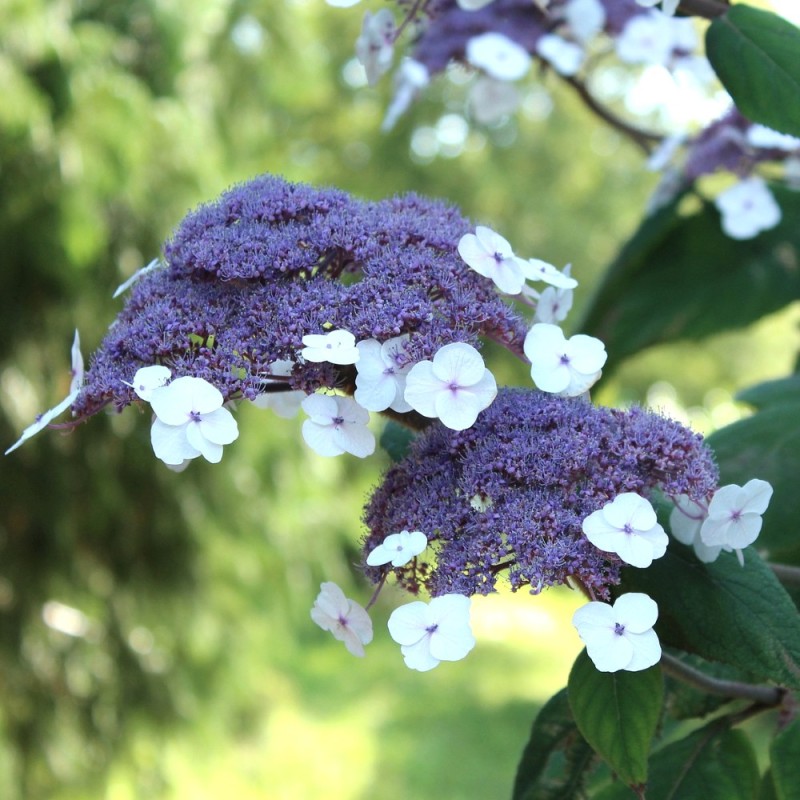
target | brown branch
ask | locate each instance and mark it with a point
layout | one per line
(709, 9)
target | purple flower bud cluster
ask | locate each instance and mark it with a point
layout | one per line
(509, 494)
(450, 27)
(249, 275)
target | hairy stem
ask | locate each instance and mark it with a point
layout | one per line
(769, 696)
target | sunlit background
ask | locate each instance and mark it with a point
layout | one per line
(155, 640)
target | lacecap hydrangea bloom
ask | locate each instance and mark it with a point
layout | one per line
(275, 273)
(510, 494)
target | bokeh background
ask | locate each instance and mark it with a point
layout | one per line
(155, 640)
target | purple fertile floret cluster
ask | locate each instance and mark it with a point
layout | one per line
(450, 27)
(249, 275)
(509, 495)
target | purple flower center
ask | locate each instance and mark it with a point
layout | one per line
(626, 528)
(431, 629)
(337, 421)
(619, 629)
(195, 416)
(564, 359)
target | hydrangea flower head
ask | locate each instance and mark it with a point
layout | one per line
(620, 636)
(508, 496)
(429, 633)
(344, 618)
(248, 276)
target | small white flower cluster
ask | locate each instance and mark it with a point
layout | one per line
(428, 633)
(729, 522)
(621, 636)
(568, 367)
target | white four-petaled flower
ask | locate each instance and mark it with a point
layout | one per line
(490, 255)
(344, 618)
(375, 45)
(537, 270)
(398, 548)
(747, 208)
(190, 421)
(565, 57)
(628, 527)
(382, 371)
(455, 386)
(620, 636)
(432, 632)
(410, 78)
(734, 516)
(498, 56)
(685, 522)
(337, 425)
(563, 366)
(335, 347)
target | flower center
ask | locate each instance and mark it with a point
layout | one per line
(619, 629)
(194, 416)
(432, 628)
(626, 528)
(337, 421)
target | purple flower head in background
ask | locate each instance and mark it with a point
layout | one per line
(509, 495)
(249, 275)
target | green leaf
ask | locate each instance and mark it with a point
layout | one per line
(556, 756)
(767, 791)
(755, 55)
(772, 393)
(396, 440)
(617, 713)
(713, 763)
(785, 754)
(683, 278)
(767, 446)
(723, 612)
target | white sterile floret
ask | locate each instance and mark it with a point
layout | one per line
(586, 18)
(473, 5)
(562, 366)
(398, 548)
(748, 208)
(337, 425)
(565, 57)
(190, 421)
(455, 386)
(148, 379)
(151, 267)
(490, 100)
(537, 270)
(669, 7)
(432, 632)
(552, 304)
(344, 618)
(409, 80)
(490, 255)
(76, 382)
(335, 347)
(381, 380)
(647, 39)
(375, 45)
(685, 523)
(498, 56)
(628, 527)
(734, 516)
(285, 404)
(620, 636)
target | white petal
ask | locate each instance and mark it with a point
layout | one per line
(586, 353)
(123, 287)
(418, 655)
(170, 443)
(331, 601)
(646, 650)
(498, 56)
(407, 624)
(636, 611)
(422, 388)
(147, 379)
(565, 57)
(219, 426)
(321, 438)
(452, 639)
(44, 420)
(209, 450)
(354, 438)
(375, 393)
(458, 363)
(758, 494)
(321, 408)
(77, 364)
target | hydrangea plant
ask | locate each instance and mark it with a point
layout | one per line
(294, 297)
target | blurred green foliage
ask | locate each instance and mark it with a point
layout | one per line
(147, 616)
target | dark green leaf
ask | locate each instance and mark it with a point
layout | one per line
(556, 757)
(785, 753)
(767, 446)
(713, 763)
(755, 55)
(767, 791)
(772, 393)
(683, 278)
(396, 439)
(617, 713)
(723, 612)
